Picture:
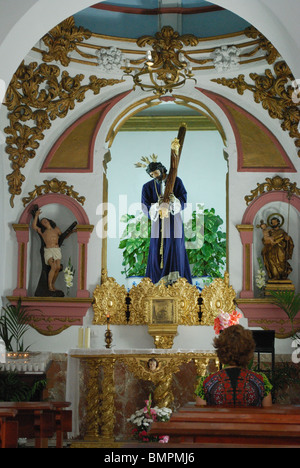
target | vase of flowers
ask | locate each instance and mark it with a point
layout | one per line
(144, 417)
(69, 273)
(225, 320)
(260, 278)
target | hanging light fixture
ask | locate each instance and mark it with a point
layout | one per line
(165, 66)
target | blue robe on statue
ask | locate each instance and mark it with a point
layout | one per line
(171, 262)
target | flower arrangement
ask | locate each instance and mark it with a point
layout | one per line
(225, 320)
(69, 273)
(144, 417)
(260, 278)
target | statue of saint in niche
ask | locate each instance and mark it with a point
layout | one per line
(278, 249)
(51, 241)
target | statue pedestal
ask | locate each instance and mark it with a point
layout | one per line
(279, 285)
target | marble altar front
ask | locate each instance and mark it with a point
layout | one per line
(105, 386)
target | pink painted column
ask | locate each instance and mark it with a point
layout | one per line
(22, 233)
(246, 233)
(83, 236)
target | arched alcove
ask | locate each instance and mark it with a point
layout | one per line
(260, 311)
(48, 313)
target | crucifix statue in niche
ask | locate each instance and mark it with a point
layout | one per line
(51, 240)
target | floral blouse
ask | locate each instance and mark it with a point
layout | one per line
(234, 387)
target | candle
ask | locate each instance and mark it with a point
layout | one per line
(87, 337)
(80, 337)
(107, 320)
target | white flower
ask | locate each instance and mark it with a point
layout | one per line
(260, 278)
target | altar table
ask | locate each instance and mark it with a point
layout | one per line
(100, 411)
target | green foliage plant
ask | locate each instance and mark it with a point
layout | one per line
(13, 388)
(207, 260)
(14, 322)
(210, 258)
(135, 242)
(289, 302)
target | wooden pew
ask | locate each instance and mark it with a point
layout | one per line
(275, 426)
(41, 420)
(8, 428)
(63, 420)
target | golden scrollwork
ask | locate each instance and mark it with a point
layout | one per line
(107, 398)
(93, 399)
(63, 39)
(263, 44)
(54, 186)
(178, 302)
(161, 376)
(184, 296)
(275, 95)
(109, 299)
(276, 183)
(219, 295)
(39, 94)
(167, 45)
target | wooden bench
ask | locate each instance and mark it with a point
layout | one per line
(275, 426)
(41, 420)
(8, 428)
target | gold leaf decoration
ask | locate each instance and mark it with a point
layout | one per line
(109, 299)
(276, 183)
(218, 296)
(39, 94)
(275, 95)
(54, 186)
(264, 44)
(63, 39)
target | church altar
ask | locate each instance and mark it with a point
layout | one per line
(102, 384)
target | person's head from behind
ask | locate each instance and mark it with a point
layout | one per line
(235, 346)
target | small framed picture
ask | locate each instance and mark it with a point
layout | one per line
(162, 311)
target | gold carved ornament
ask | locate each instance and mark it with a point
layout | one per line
(63, 39)
(218, 296)
(263, 44)
(109, 300)
(275, 95)
(275, 183)
(53, 186)
(162, 376)
(184, 295)
(167, 65)
(39, 94)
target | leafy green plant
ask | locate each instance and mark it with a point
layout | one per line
(13, 388)
(209, 259)
(135, 242)
(14, 322)
(289, 302)
(206, 261)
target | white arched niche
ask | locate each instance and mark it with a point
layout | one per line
(291, 225)
(202, 169)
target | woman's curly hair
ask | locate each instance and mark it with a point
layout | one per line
(235, 346)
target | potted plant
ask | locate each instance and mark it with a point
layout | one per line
(206, 261)
(135, 242)
(13, 387)
(14, 322)
(209, 259)
(289, 302)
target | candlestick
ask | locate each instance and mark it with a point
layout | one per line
(108, 333)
